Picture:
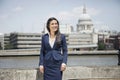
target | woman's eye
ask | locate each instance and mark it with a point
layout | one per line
(52, 24)
(55, 23)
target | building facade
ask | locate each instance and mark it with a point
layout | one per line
(25, 40)
(82, 41)
(113, 42)
(1, 41)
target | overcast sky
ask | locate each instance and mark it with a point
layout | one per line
(31, 15)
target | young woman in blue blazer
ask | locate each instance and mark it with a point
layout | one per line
(53, 54)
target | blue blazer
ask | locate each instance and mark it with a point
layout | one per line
(46, 48)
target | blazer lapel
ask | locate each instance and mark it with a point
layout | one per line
(47, 41)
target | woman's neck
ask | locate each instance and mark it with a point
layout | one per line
(52, 34)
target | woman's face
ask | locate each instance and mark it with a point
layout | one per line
(53, 26)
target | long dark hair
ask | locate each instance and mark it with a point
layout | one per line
(57, 33)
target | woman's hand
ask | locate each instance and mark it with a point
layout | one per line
(63, 66)
(41, 69)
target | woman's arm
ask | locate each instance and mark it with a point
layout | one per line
(64, 49)
(41, 60)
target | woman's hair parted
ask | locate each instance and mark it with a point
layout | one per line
(57, 33)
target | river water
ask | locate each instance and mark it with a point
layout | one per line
(73, 60)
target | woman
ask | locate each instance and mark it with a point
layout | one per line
(53, 54)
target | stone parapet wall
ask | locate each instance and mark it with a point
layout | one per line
(71, 73)
(92, 72)
(18, 74)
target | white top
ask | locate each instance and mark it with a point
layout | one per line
(51, 41)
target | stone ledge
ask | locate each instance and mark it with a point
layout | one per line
(34, 52)
(98, 79)
(71, 73)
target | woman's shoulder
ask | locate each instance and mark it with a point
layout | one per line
(62, 35)
(45, 35)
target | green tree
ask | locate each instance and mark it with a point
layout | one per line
(101, 46)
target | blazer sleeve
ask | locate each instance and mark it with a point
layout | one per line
(64, 49)
(41, 57)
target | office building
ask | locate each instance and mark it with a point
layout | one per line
(25, 40)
